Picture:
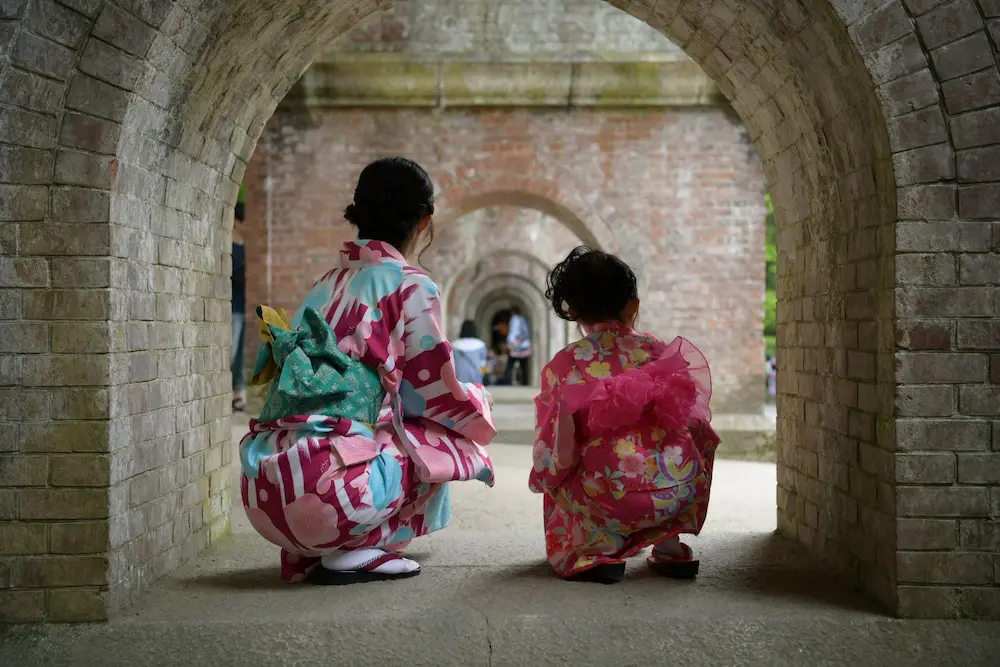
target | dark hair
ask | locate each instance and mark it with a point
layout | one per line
(240, 212)
(590, 286)
(515, 310)
(468, 330)
(393, 195)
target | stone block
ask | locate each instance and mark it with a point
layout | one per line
(81, 537)
(942, 501)
(80, 470)
(76, 605)
(980, 468)
(942, 435)
(918, 7)
(66, 370)
(926, 401)
(980, 269)
(22, 606)
(972, 91)
(74, 404)
(23, 470)
(990, 7)
(71, 204)
(979, 334)
(83, 436)
(979, 400)
(943, 236)
(25, 166)
(902, 57)
(23, 405)
(971, 54)
(85, 7)
(82, 272)
(86, 169)
(93, 134)
(909, 93)
(57, 23)
(25, 128)
(926, 534)
(979, 202)
(881, 27)
(31, 91)
(42, 56)
(944, 568)
(22, 202)
(928, 164)
(97, 98)
(980, 602)
(936, 468)
(11, 370)
(934, 269)
(976, 128)
(105, 62)
(916, 129)
(941, 367)
(949, 22)
(23, 538)
(921, 302)
(123, 30)
(58, 571)
(24, 337)
(12, 9)
(65, 239)
(63, 504)
(67, 305)
(979, 164)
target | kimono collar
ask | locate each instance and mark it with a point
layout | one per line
(361, 253)
(614, 326)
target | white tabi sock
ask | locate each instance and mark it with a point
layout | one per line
(350, 561)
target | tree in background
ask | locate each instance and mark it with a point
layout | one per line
(771, 282)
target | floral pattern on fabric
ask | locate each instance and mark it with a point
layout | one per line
(624, 448)
(344, 473)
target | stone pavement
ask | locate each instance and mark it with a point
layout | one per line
(486, 597)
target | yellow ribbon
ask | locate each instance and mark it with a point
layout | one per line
(269, 317)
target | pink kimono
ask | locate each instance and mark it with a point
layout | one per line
(624, 450)
(313, 483)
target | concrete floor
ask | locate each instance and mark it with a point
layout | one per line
(486, 597)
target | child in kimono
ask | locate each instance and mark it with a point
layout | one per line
(624, 450)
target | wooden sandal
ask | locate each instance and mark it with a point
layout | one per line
(675, 568)
(363, 575)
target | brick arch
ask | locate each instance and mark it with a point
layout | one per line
(130, 124)
(556, 199)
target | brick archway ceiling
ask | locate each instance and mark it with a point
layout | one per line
(132, 122)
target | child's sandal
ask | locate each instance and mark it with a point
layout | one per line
(675, 568)
(607, 573)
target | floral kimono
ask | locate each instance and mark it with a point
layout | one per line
(365, 421)
(624, 450)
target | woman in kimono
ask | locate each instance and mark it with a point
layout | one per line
(624, 450)
(365, 421)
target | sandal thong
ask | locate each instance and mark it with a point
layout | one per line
(364, 574)
(675, 568)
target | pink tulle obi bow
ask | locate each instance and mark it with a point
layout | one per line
(675, 390)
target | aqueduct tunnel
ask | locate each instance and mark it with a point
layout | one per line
(125, 131)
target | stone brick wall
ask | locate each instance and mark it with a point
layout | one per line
(680, 189)
(507, 30)
(123, 121)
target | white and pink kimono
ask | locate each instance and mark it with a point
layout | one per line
(314, 484)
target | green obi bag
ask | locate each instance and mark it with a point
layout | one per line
(309, 374)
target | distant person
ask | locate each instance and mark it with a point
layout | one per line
(471, 354)
(519, 345)
(771, 369)
(624, 451)
(239, 310)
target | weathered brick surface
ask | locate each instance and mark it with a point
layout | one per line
(711, 294)
(802, 82)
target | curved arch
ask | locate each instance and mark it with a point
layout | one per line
(545, 196)
(141, 151)
(458, 288)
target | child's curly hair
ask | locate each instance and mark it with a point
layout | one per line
(590, 286)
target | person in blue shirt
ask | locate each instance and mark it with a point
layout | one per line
(239, 311)
(470, 354)
(519, 347)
